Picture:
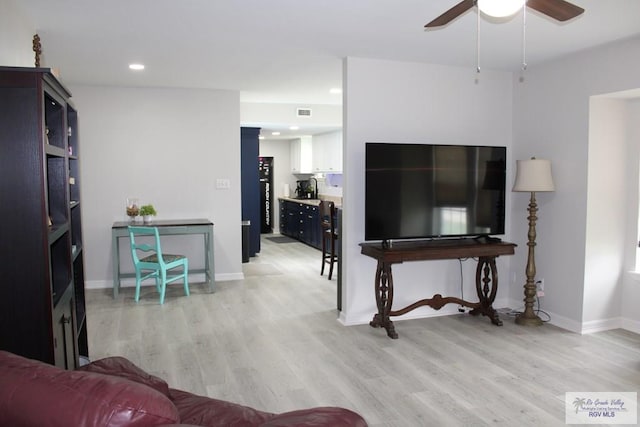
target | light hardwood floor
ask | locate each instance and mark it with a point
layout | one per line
(272, 341)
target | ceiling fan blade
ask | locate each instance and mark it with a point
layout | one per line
(557, 9)
(451, 14)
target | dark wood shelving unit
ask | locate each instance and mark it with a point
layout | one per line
(42, 304)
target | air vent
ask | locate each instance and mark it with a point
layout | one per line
(303, 112)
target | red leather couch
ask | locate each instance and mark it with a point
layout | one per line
(115, 392)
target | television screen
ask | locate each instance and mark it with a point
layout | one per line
(417, 191)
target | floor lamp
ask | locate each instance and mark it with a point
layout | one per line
(532, 176)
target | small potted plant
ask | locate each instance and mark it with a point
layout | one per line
(147, 211)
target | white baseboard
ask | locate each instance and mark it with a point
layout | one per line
(587, 327)
(99, 284)
(566, 323)
(131, 282)
(601, 325)
(631, 325)
(229, 276)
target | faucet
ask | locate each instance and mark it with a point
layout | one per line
(315, 191)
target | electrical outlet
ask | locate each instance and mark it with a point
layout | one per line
(540, 287)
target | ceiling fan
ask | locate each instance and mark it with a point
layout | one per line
(559, 10)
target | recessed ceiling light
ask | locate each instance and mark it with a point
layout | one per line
(335, 91)
(275, 133)
(294, 127)
(136, 67)
(261, 137)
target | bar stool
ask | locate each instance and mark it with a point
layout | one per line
(329, 233)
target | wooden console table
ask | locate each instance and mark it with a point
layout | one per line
(423, 250)
(167, 227)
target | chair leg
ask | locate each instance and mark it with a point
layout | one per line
(186, 277)
(163, 285)
(333, 246)
(137, 296)
(157, 279)
(324, 253)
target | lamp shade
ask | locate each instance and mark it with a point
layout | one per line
(500, 8)
(533, 175)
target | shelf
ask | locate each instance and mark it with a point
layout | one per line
(56, 232)
(54, 151)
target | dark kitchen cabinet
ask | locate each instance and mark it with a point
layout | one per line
(300, 221)
(310, 226)
(42, 304)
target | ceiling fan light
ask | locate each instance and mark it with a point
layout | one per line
(500, 8)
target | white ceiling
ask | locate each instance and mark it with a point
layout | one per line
(291, 50)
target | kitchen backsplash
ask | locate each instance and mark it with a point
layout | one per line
(329, 185)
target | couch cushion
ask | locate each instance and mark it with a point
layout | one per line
(317, 417)
(208, 412)
(33, 393)
(124, 368)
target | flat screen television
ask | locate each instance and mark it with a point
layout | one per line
(417, 191)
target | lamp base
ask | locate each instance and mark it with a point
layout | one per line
(528, 317)
(528, 320)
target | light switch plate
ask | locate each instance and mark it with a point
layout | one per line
(223, 183)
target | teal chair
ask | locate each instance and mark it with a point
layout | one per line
(154, 263)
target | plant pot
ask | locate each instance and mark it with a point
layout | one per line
(147, 219)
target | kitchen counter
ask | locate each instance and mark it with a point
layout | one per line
(310, 202)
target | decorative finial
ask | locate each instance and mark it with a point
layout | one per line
(37, 48)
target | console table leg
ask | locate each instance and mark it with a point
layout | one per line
(384, 299)
(487, 287)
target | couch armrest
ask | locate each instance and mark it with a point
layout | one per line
(124, 368)
(32, 392)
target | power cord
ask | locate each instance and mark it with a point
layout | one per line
(541, 311)
(538, 311)
(513, 313)
(461, 308)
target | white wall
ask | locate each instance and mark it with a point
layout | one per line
(407, 102)
(551, 120)
(262, 115)
(631, 281)
(166, 147)
(16, 36)
(605, 239)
